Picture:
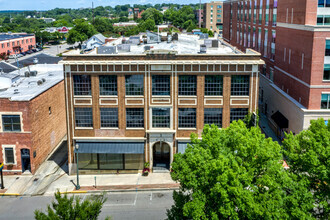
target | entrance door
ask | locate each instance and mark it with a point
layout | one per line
(161, 156)
(25, 155)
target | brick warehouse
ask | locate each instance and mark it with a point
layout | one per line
(133, 103)
(293, 38)
(32, 116)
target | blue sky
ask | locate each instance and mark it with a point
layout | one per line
(50, 4)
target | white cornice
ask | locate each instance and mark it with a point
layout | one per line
(304, 27)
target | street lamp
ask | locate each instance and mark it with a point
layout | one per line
(77, 148)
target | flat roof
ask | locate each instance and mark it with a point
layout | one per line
(27, 88)
(4, 37)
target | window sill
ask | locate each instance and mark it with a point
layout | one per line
(108, 96)
(11, 132)
(326, 80)
(134, 96)
(188, 129)
(134, 128)
(84, 128)
(187, 96)
(82, 96)
(109, 128)
(161, 96)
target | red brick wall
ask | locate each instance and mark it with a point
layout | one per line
(20, 139)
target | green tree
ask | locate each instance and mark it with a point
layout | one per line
(153, 14)
(147, 25)
(103, 25)
(236, 173)
(308, 156)
(72, 208)
(81, 32)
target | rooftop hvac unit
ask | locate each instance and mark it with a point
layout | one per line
(203, 48)
(203, 36)
(147, 48)
(215, 43)
(169, 38)
(27, 74)
(33, 73)
(124, 47)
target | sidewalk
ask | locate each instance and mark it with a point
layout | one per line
(263, 123)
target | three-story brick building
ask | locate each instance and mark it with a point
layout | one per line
(130, 104)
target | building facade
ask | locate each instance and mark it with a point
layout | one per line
(16, 43)
(213, 16)
(32, 118)
(292, 36)
(133, 107)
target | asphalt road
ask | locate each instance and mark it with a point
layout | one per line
(119, 206)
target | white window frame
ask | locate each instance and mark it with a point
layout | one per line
(4, 156)
(12, 113)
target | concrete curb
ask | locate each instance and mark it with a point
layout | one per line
(121, 190)
(10, 194)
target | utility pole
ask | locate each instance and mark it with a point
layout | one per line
(200, 14)
(93, 11)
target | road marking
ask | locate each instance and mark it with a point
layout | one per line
(151, 196)
(136, 194)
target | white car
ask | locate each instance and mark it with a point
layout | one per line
(13, 56)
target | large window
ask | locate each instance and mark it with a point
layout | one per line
(161, 85)
(109, 117)
(326, 72)
(187, 118)
(323, 3)
(187, 85)
(161, 117)
(134, 117)
(213, 85)
(82, 84)
(111, 161)
(327, 48)
(84, 117)
(213, 116)
(108, 85)
(11, 123)
(325, 101)
(238, 114)
(9, 155)
(240, 85)
(134, 85)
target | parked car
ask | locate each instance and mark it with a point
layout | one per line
(29, 52)
(34, 50)
(13, 56)
(19, 55)
(23, 53)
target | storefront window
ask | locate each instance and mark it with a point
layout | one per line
(111, 161)
(88, 161)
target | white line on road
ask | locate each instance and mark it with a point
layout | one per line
(151, 196)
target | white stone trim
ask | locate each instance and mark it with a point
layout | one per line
(181, 98)
(12, 113)
(108, 99)
(83, 99)
(134, 99)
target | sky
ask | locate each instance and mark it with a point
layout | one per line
(50, 4)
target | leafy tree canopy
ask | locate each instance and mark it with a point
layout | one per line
(153, 14)
(236, 173)
(81, 32)
(308, 156)
(72, 208)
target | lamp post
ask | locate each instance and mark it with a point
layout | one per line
(77, 148)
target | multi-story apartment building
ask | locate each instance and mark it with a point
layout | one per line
(199, 16)
(16, 43)
(32, 116)
(130, 104)
(293, 38)
(213, 16)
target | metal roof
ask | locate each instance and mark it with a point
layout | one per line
(111, 147)
(4, 37)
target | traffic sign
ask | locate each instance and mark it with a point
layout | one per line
(1, 166)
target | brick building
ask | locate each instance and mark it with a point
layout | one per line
(292, 36)
(213, 16)
(16, 43)
(32, 116)
(128, 105)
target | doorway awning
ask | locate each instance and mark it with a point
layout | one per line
(280, 120)
(111, 147)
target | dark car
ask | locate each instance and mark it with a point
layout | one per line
(34, 50)
(29, 52)
(23, 53)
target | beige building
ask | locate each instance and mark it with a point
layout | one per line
(213, 16)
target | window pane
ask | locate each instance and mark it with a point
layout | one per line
(135, 117)
(108, 85)
(134, 84)
(325, 102)
(111, 161)
(9, 153)
(82, 84)
(187, 85)
(11, 123)
(84, 117)
(240, 85)
(238, 114)
(109, 117)
(213, 116)
(187, 117)
(134, 161)
(88, 161)
(213, 85)
(326, 75)
(161, 117)
(160, 85)
(327, 48)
